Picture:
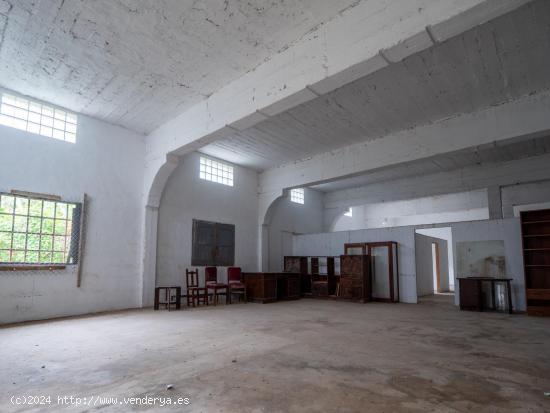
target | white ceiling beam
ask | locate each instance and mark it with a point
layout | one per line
(341, 50)
(524, 117)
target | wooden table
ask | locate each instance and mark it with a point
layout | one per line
(268, 287)
(471, 295)
(172, 296)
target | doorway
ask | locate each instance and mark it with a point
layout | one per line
(434, 262)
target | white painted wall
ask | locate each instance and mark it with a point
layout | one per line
(289, 218)
(187, 197)
(524, 194)
(463, 206)
(509, 230)
(106, 162)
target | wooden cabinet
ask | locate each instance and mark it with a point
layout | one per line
(355, 280)
(535, 228)
(299, 265)
(270, 287)
(384, 267)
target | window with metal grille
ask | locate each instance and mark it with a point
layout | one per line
(297, 195)
(35, 117)
(214, 171)
(38, 231)
(213, 244)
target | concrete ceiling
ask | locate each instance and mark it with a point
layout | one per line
(499, 61)
(138, 63)
(503, 152)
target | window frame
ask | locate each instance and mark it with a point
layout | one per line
(216, 171)
(298, 196)
(33, 116)
(70, 232)
(214, 244)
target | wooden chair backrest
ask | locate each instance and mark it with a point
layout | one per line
(192, 278)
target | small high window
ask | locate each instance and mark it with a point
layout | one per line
(349, 212)
(34, 117)
(216, 171)
(297, 195)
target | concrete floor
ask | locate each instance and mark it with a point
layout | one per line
(301, 356)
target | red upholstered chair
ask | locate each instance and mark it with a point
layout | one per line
(234, 281)
(211, 278)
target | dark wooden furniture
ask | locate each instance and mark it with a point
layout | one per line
(471, 292)
(195, 295)
(384, 267)
(167, 296)
(535, 229)
(323, 276)
(355, 280)
(299, 265)
(266, 287)
(212, 284)
(235, 284)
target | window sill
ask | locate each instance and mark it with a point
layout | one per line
(24, 267)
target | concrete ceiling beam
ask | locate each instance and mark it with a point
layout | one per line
(338, 52)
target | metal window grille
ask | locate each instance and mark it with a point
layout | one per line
(38, 231)
(35, 117)
(215, 171)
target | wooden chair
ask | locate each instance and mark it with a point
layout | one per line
(195, 294)
(234, 281)
(211, 278)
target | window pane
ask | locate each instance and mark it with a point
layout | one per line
(31, 257)
(35, 107)
(35, 207)
(49, 209)
(20, 224)
(71, 118)
(18, 256)
(21, 103)
(33, 242)
(34, 117)
(5, 240)
(70, 137)
(33, 128)
(60, 226)
(59, 114)
(59, 243)
(19, 241)
(46, 110)
(4, 256)
(61, 210)
(21, 206)
(58, 134)
(47, 226)
(7, 203)
(58, 258)
(46, 243)
(34, 225)
(6, 222)
(45, 257)
(45, 131)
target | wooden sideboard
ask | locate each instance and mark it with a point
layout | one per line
(264, 287)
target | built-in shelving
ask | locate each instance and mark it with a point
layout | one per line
(535, 227)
